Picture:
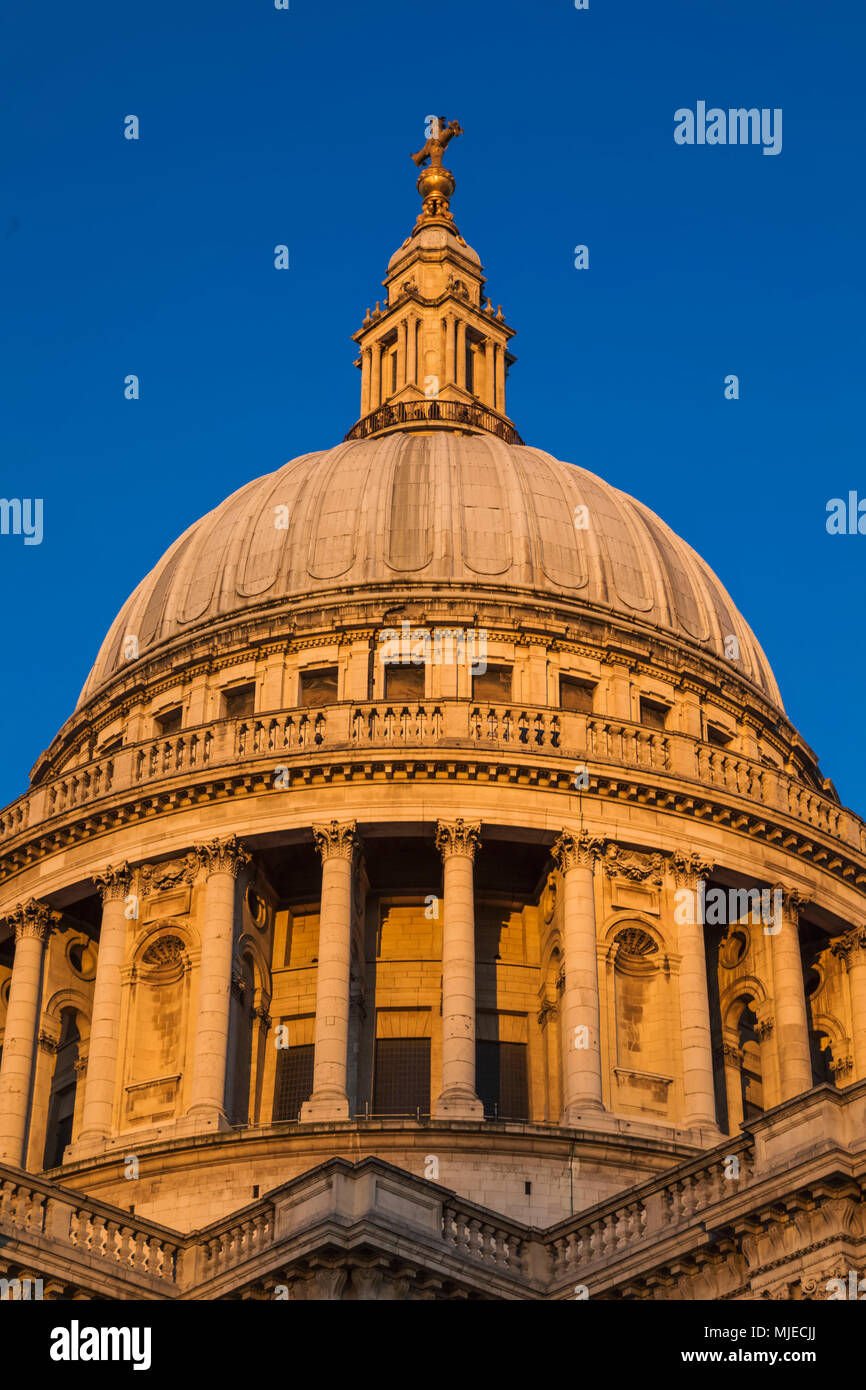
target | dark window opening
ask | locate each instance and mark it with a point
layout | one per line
(61, 1103)
(401, 1076)
(239, 702)
(112, 746)
(404, 682)
(169, 722)
(750, 1075)
(319, 687)
(294, 1080)
(494, 684)
(653, 714)
(576, 694)
(718, 736)
(501, 1080)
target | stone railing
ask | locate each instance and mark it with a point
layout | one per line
(228, 1244)
(624, 1225)
(607, 745)
(38, 1209)
(500, 1245)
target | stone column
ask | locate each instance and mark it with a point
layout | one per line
(792, 1026)
(500, 378)
(460, 363)
(336, 843)
(457, 842)
(450, 372)
(402, 330)
(375, 373)
(31, 923)
(366, 356)
(98, 1113)
(699, 1095)
(575, 857)
(489, 384)
(412, 351)
(222, 861)
(852, 949)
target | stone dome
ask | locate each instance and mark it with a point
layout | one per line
(432, 511)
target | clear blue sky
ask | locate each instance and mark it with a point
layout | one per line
(261, 127)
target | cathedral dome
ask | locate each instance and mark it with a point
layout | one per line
(440, 512)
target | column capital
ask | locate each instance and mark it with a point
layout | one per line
(337, 839)
(689, 869)
(31, 919)
(577, 851)
(114, 881)
(226, 856)
(851, 944)
(793, 901)
(458, 837)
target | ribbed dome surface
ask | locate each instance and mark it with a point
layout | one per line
(433, 508)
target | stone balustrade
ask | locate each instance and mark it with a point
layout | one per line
(607, 745)
(32, 1210)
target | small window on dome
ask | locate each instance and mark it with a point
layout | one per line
(494, 684)
(319, 687)
(404, 682)
(576, 694)
(718, 736)
(239, 702)
(653, 713)
(169, 721)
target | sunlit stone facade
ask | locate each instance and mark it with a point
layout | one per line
(349, 959)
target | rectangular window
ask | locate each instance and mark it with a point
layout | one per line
(501, 1080)
(294, 1080)
(319, 687)
(404, 682)
(494, 685)
(718, 736)
(394, 371)
(239, 702)
(169, 721)
(653, 714)
(401, 1078)
(576, 694)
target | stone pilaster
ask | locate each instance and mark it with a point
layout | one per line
(575, 856)
(457, 842)
(337, 843)
(31, 923)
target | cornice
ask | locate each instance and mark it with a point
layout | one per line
(225, 782)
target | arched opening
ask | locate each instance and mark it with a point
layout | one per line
(61, 1101)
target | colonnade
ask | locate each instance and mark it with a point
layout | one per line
(488, 375)
(220, 862)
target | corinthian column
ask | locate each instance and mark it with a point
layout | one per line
(113, 885)
(336, 843)
(699, 1094)
(31, 924)
(852, 950)
(792, 1026)
(221, 861)
(575, 856)
(457, 842)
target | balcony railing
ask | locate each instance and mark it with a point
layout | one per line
(607, 747)
(435, 412)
